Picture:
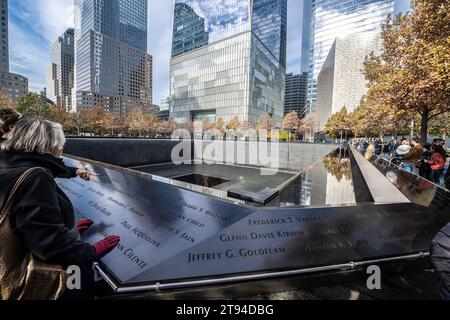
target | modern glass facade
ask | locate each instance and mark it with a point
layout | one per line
(60, 72)
(270, 26)
(223, 66)
(198, 23)
(189, 30)
(111, 60)
(338, 18)
(340, 82)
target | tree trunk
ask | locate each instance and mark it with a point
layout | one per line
(424, 127)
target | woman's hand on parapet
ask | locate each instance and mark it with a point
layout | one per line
(84, 225)
(85, 175)
(105, 246)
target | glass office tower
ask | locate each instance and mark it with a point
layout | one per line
(338, 18)
(226, 62)
(270, 26)
(112, 67)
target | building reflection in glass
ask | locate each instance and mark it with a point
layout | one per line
(222, 65)
(338, 18)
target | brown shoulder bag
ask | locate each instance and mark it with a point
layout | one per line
(23, 276)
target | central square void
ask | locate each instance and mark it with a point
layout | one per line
(201, 180)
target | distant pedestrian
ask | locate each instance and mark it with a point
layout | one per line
(424, 167)
(412, 157)
(403, 149)
(437, 163)
(370, 151)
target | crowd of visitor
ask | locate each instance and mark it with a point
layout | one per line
(428, 161)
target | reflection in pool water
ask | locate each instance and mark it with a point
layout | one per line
(327, 182)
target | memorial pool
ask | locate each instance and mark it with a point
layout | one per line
(340, 212)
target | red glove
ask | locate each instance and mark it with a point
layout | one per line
(84, 225)
(104, 246)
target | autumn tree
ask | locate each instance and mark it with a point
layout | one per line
(413, 71)
(310, 125)
(97, 120)
(79, 121)
(338, 124)
(35, 105)
(166, 128)
(220, 125)
(371, 119)
(137, 121)
(264, 122)
(234, 124)
(291, 122)
(6, 102)
(440, 126)
(112, 123)
(59, 115)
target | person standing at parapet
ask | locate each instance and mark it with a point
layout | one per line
(437, 163)
(412, 157)
(8, 119)
(41, 216)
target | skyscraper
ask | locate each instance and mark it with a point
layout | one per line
(60, 72)
(112, 67)
(11, 84)
(228, 59)
(333, 18)
(270, 26)
(296, 87)
(188, 30)
(340, 82)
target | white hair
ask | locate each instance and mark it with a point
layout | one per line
(35, 135)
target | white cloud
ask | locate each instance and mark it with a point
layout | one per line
(34, 26)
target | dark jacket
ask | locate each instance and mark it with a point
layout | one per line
(41, 214)
(440, 255)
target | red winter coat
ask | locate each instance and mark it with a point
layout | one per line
(437, 162)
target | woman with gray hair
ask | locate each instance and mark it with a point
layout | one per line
(41, 213)
(9, 118)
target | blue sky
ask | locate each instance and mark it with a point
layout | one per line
(35, 24)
